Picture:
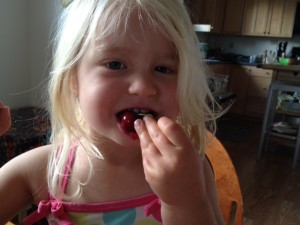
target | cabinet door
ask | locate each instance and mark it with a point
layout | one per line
(216, 14)
(282, 18)
(255, 19)
(257, 94)
(195, 9)
(238, 83)
(207, 12)
(233, 17)
(220, 68)
(258, 87)
(273, 18)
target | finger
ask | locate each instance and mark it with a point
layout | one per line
(160, 140)
(146, 142)
(173, 132)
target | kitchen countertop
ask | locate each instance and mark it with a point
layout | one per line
(290, 68)
(217, 61)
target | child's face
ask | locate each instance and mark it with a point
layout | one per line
(139, 71)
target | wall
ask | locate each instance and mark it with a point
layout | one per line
(14, 48)
(248, 45)
(24, 54)
(42, 20)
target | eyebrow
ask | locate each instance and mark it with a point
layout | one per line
(107, 48)
(104, 49)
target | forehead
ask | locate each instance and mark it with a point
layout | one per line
(137, 30)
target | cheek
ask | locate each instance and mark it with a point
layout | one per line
(89, 100)
(172, 102)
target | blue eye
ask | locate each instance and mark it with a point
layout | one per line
(163, 69)
(115, 65)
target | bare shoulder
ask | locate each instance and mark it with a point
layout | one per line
(32, 159)
(28, 169)
(25, 177)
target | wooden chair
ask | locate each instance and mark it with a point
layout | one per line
(228, 187)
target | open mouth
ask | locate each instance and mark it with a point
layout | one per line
(127, 117)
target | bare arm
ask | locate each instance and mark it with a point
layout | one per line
(183, 182)
(22, 181)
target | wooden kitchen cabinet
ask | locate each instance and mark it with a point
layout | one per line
(233, 16)
(289, 77)
(251, 85)
(257, 93)
(207, 12)
(238, 83)
(273, 18)
(221, 68)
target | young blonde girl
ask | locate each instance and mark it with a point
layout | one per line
(128, 106)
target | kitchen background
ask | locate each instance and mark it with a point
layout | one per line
(245, 45)
(270, 187)
(25, 47)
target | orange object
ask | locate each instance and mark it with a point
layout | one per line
(228, 186)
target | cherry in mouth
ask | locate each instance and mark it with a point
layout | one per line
(127, 121)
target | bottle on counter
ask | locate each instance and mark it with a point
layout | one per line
(264, 56)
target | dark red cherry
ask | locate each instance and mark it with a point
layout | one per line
(127, 121)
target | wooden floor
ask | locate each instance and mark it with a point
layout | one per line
(270, 187)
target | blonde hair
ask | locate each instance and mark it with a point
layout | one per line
(79, 23)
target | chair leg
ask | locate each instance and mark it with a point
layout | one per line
(262, 144)
(268, 117)
(297, 148)
(232, 215)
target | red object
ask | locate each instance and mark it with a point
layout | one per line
(127, 121)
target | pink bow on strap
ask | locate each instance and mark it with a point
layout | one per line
(46, 208)
(153, 208)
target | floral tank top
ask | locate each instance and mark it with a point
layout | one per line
(144, 210)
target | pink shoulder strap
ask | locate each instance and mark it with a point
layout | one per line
(68, 168)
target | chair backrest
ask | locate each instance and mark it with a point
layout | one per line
(228, 186)
(9, 223)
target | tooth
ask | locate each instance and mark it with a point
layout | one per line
(145, 114)
(136, 110)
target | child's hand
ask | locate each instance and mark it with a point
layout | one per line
(171, 163)
(5, 121)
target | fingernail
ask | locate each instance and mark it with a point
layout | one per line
(137, 124)
(146, 117)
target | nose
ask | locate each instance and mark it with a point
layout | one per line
(143, 85)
